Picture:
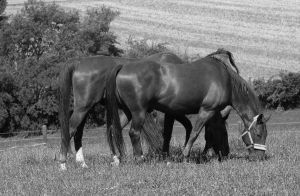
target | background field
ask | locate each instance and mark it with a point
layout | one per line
(264, 36)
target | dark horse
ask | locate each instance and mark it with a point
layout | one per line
(86, 77)
(203, 87)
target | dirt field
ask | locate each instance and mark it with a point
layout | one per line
(264, 36)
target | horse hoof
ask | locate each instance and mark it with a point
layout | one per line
(185, 160)
(116, 161)
(63, 167)
(140, 159)
(84, 165)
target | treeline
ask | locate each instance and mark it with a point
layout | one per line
(35, 43)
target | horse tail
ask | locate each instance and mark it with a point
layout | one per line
(65, 85)
(114, 129)
(152, 134)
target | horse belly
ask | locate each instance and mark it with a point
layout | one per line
(179, 103)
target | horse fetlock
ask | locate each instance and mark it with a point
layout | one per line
(140, 159)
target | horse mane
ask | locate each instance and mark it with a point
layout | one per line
(219, 55)
(240, 86)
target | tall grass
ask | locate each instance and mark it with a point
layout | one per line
(32, 171)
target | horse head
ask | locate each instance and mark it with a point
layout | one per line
(255, 137)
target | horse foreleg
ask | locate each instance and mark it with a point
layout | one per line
(187, 125)
(203, 116)
(167, 134)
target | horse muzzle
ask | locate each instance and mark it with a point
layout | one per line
(256, 155)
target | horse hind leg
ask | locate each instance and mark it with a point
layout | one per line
(124, 121)
(135, 134)
(75, 120)
(78, 144)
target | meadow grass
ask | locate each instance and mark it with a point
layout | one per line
(33, 171)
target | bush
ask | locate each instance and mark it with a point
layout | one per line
(35, 43)
(3, 4)
(144, 47)
(9, 107)
(95, 31)
(283, 91)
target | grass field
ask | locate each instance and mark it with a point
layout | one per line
(264, 36)
(33, 171)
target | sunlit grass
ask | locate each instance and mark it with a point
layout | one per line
(33, 171)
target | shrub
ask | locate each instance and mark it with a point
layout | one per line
(9, 107)
(95, 31)
(3, 4)
(35, 43)
(144, 47)
(283, 91)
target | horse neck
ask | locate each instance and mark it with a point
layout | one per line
(246, 104)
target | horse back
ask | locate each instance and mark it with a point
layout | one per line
(186, 87)
(138, 81)
(89, 78)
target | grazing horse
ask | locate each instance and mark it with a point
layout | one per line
(203, 87)
(86, 77)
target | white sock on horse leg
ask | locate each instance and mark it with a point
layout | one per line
(80, 158)
(116, 161)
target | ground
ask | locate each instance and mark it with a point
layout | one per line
(33, 171)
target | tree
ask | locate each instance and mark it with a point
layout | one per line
(35, 44)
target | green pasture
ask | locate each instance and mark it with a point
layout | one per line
(33, 171)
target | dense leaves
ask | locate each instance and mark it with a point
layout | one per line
(144, 47)
(35, 43)
(280, 92)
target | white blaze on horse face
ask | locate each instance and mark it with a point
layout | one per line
(80, 158)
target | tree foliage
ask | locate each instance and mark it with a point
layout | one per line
(144, 47)
(3, 4)
(35, 43)
(281, 92)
